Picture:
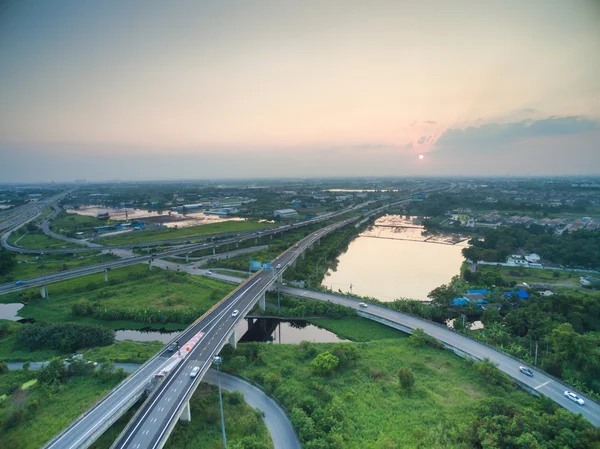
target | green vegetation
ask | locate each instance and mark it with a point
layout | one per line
(357, 329)
(11, 350)
(68, 224)
(66, 337)
(124, 352)
(32, 237)
(33, 266)
(192, 231)
(31, 414)
(577, 249)
(239, 274)
(244, 425)
(395, 393)
(528, 275)
(293, 308)
(133, 298)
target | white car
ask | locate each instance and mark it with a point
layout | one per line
(208, 272)
(278, 266)
(195, 371)
(572, 396)
(235, 313)
(363, 305)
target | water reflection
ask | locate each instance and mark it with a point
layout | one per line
(283, 331)
(9, 311)
(145, 335)
(393, 259)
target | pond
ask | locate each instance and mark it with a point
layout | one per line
(10, 311)
(393, 259)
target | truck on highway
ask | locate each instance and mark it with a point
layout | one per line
(167, 368)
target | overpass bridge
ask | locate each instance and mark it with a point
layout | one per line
(155, 420)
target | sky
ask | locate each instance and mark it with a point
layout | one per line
(241, 89)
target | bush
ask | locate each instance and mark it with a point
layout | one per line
(324, 363)
(406, 379)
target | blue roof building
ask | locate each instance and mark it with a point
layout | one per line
(481, 291)
(459, 302)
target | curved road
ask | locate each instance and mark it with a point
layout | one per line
(280, 427)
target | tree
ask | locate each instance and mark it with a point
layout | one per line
(3, 367)
(406, 379)
(53, 372)
(8, 261)
(324, 363)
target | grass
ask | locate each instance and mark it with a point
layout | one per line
(46, 413)
(244, 427)
(124, 352)
(235, 273)
(32, 266)
(370, 408)
(129, 287)
(37, 240)
(357, 328)
(192, 231)
(535, 275)
(66, 223)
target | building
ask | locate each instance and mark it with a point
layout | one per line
(285, 213)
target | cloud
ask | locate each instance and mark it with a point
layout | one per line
(499, 133)
(429, 122)
(426, 139)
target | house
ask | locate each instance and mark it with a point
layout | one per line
(285, 213)
(521, 294)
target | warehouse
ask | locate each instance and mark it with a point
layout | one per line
(285, 213)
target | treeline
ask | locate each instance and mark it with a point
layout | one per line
(293, 307)
(544, 425)
(66, 337)
(149, 315)
(8, 261)
(579, 249)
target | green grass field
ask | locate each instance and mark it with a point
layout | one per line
(357, 329)
(372, 410)
(129, 287)
(171, 233)
(66, 223)
(33, 266)
(123, 351)
(46, 414)
(536, 275)
(37, 240)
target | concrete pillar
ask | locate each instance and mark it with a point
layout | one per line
(186, 415)
(150, 265)
(271, 237)
(294, 263)
(280, 278)
(255, 240)
(105, 275)
(43, 291)
(233, 340)
(237, 244)
(261, 302)
(319, 242)
(187, 257)
(214, 250)
(302, 255)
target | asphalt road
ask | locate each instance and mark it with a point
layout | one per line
(151, 426)
(277, 422)
(280, 427)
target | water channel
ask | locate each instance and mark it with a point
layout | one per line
(392, 260)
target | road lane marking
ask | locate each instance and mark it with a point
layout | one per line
(540, 386)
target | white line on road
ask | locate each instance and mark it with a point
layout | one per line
(540, 386)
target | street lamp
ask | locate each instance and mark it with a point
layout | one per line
(217, 361)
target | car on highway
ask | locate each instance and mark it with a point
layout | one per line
(573, 397)
(278, 266)
(194, 267)
(363, 305)
(526, 371)
(235, 313)
(208, 272)
(20, 283)
(296, 245)
(195, 371)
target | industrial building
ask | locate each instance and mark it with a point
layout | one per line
(285, 213)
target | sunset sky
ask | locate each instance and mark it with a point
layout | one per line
(221, 89)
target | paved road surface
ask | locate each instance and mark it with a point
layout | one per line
(280, 427)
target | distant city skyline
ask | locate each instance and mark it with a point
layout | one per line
(144, 90)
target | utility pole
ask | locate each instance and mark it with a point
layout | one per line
(218, 360)
(536, 349)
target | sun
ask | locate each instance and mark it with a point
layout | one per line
(421, 156)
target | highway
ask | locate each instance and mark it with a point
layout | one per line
(153, 423)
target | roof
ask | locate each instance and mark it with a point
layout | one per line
(520, 293)
(482, 291)
(459, 302)
(285, 211)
